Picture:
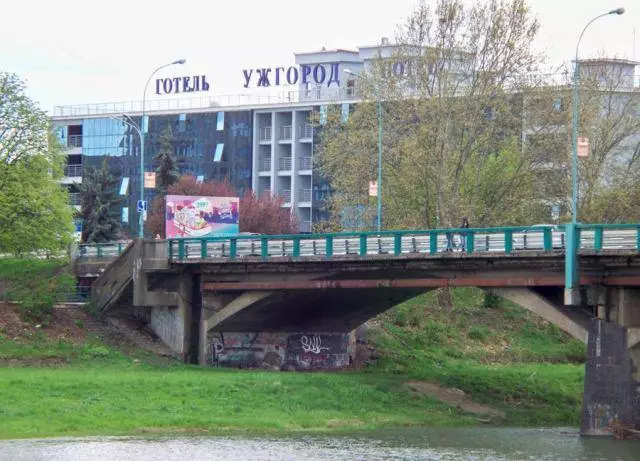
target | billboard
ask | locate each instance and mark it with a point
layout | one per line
(193, 216)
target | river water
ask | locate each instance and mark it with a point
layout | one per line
(398, 444)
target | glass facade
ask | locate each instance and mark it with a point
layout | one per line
(215, 145)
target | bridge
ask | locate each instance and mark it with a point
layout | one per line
(292, 301)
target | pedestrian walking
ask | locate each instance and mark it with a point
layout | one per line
(463, 235)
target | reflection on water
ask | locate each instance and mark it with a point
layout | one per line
(397, 444)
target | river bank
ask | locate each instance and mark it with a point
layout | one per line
(455, 358)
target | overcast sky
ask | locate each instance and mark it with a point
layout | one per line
(80, 51)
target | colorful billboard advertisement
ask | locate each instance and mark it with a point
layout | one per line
(191, 216)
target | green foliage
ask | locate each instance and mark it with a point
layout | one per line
(36, 285)
(491, 301)
(99, 206)
(34, 210)
(167, 171)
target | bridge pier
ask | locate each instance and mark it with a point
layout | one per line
(612, 374)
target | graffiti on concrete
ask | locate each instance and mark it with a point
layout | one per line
(312, 344)
(279, 350)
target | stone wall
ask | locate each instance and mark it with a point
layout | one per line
(168, 324)
(281, 351)
(610, 390)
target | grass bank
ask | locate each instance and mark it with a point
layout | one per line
(60, 379)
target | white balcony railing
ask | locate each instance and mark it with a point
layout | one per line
(265, 133)
(305, 226)
(304, 195)
(264, 164)
(286, 133)
(285, 96)
(73, 170)
(74, 140)
(75, 199)
(284, 164)
(306, 131)
(286, 195)
(305, 163)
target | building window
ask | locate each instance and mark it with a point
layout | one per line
(218, 155)
(182, 122)
(200, 179)
(345, 112)
(557, 104)
(124, 186)
(351, 88)
(220, 122)
(125, 214)
(323, 115)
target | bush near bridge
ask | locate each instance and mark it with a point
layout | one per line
(35, 285)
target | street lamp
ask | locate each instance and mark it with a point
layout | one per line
(143, 129)
(574, 124)
(571, 264)
(379, 182)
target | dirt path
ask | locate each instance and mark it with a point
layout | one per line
(454, 397)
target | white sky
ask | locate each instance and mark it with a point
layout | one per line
(81, 51)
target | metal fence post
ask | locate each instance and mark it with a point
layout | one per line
(597, 243)
(329, 246)
(363, 244)
(433, 242)
(397, 244)
(233, 248)
(508, 241)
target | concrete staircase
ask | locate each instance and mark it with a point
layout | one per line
(116, 280)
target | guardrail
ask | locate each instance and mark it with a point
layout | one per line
(506, 240)
(101, 250)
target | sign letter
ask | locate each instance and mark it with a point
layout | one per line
(247, 76)
(333, 76)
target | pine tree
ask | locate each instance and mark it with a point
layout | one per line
(167, 169)
(100, 206)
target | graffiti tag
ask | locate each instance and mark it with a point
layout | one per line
(312, 344)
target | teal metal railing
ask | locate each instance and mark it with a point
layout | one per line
(109, 250)
(506, 240)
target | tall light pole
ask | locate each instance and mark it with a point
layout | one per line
(379, 181)
(574, 120)
(571, 263)
(143, 129)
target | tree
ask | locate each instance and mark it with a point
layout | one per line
(34, 208)
(167, 170)
(451, 101)
(100, 206)
(257, 214)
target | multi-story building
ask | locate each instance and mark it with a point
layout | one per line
(264, 141)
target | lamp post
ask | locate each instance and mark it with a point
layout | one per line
(571, 263)
(142, 132)
(574, 120)
(379, 181)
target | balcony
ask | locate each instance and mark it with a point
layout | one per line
(75, 199)
(286, 132)
(286, 195)
(304, 195)
(305, 226)
(264, 164)
(305, 163)
(74, 140)
(284, 164)
(264, 134)
(306, 131)
(73, 171)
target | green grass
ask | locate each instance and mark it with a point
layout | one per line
(38, 402)
(496, 352)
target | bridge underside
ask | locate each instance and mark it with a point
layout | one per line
(315, 310)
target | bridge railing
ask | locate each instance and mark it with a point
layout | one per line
(108, 250)
(432, 241)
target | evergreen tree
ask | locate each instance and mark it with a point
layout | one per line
(100, 206)
(167, 170)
